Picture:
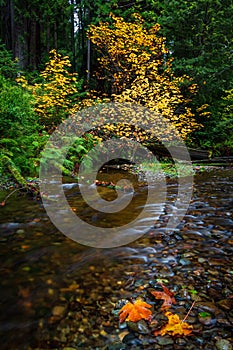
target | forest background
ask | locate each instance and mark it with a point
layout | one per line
(60, 56)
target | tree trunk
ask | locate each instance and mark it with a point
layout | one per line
(47, 36)
(72, 36)
(55, 35)
(88, 60)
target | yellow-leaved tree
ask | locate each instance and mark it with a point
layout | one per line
(136, 65)
(57, 95)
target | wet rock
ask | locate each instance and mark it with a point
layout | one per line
(185, 262)
(226, 304)
(207, 320)
(166, 340)
(214, 293)
(217, 262)
(200, 342)
(116, 346)
(192, 320)
(223, 344)
(20, 231)
(58, 312)
(213, 272)
(139, 327)
(223, 321)
(142, 327)
(69, 186)
(158, 321)
(121, 335)
(131, 340)
(208, 306)
(181, 342)
(122, 325)
(223, 222)
(209, 347)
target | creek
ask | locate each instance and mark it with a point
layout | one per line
(58, 294)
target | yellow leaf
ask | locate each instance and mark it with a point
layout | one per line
(175, 326)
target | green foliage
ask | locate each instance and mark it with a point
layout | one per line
(220, 130)
(20, 141)
(16, 110)
(223, 131)
(204, 314)
(76, 153)
(7, 163)
(167, 168)
(8, 66)
(23, 137)
(199, 36)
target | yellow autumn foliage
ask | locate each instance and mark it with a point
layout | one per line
(137, 65)
(56, 96)
(174, 327)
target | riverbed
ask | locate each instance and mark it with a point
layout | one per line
(58, 294)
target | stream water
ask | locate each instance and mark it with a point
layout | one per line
(58, 294)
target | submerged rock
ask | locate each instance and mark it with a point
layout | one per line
(223, 344)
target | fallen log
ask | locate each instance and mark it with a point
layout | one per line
(218, 160)
(178, 152)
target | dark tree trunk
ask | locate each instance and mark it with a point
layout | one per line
(47, 36)
(55, 35)
(72, 36)
(8, 25)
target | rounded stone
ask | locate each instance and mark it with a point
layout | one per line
(223, 344)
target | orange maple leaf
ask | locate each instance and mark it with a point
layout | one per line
(166, 295)
(175, 326)
(135, 311)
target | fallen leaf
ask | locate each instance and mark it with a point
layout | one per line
(174, 327)
(135, 311)
(25, 246)
(166, 295)
(122, 335)
(70, 288)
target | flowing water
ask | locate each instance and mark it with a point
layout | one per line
(56, 293)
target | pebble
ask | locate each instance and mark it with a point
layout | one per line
(139, 327)
(20, 231)
(59, 310)
(131, 340)
(207, 321)
(226, 304)
(207, 306)
(185, 262)
(223, 344)
(116, 346)
(142, 327)
(166, 340)
(181, 342)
